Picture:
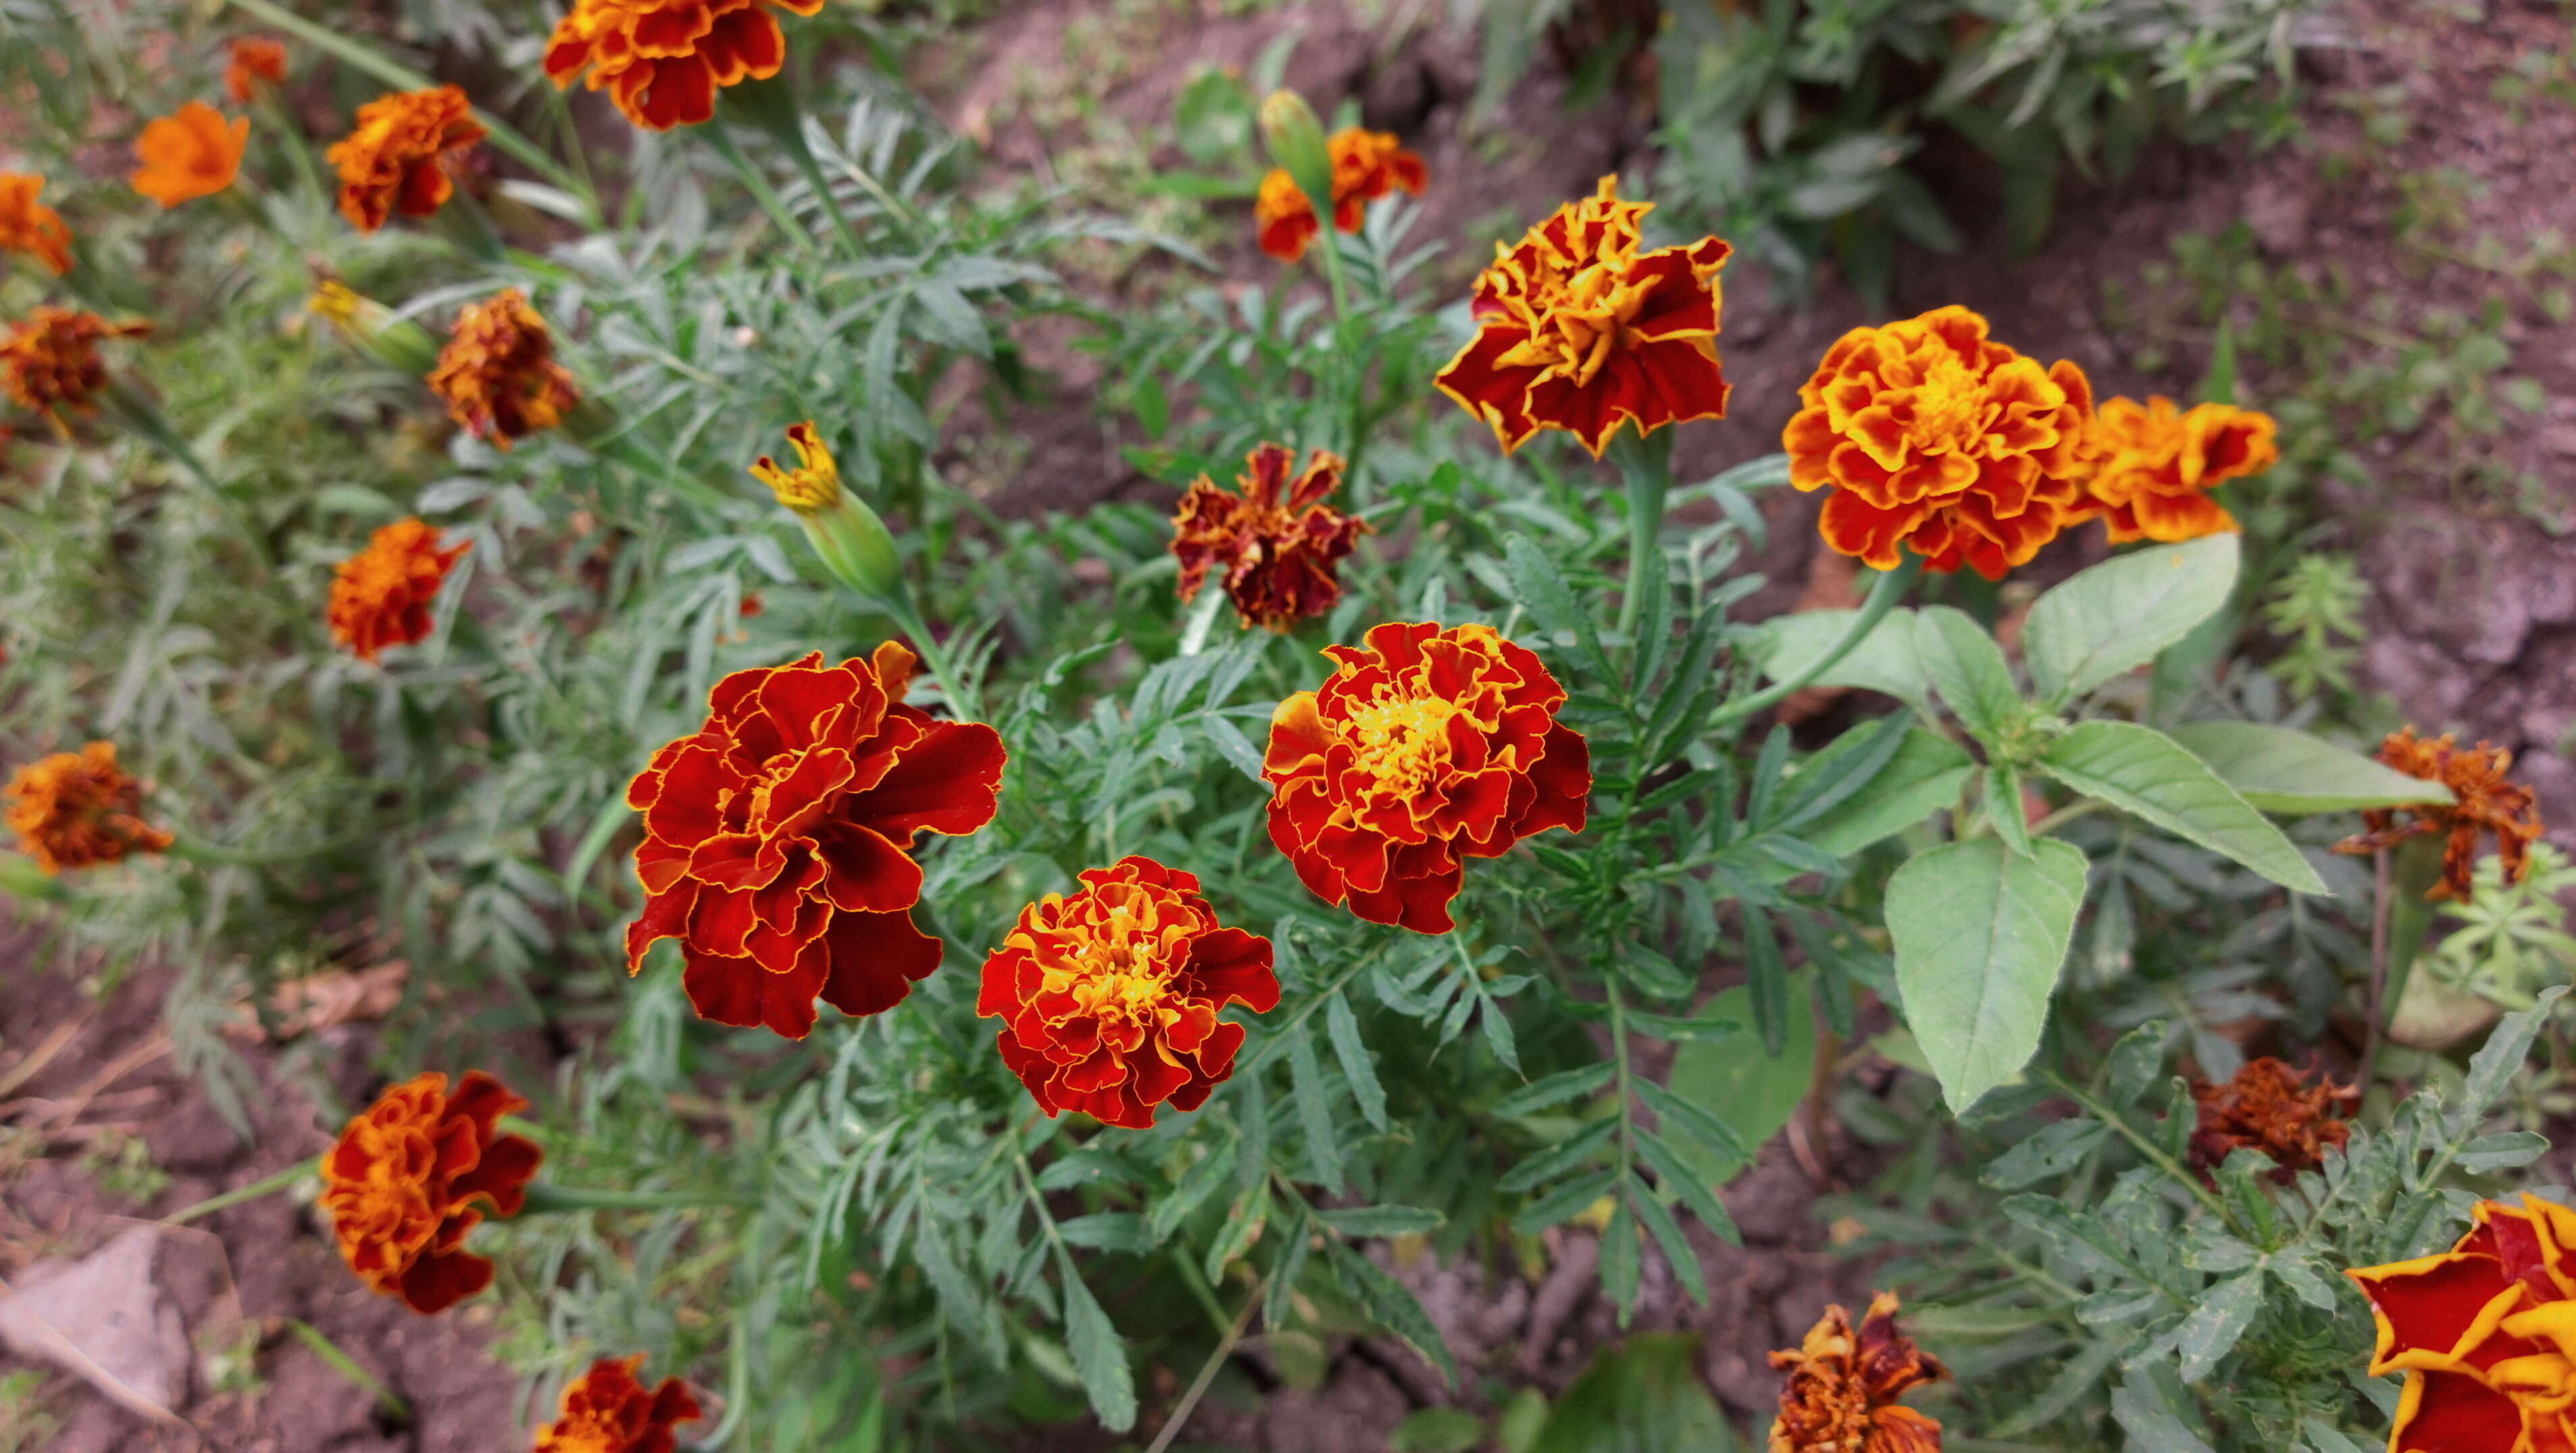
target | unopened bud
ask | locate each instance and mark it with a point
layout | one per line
(1296, 143)
(401, 343)
(853, 543)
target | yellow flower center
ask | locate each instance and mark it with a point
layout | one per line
(1123, 970)
(1403, 742)
(1578, 321)
(336, 301)
(1949, 407)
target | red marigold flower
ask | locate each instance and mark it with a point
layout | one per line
(776, 838)
(2272, 1108)
(2156, 465)
(50, 362)
(608, 1410)
(380, 596)
(1936, 440)
(1425, 748)
(254, 59)
(410, 1177)
(1276, 545)
(1578, 330)
(1843, 1389)
(2481, 1332)
(190, 153)
(662, 61)
(1109, 998)
(498, 372)
(1366, 166)
(79, 810)
(31, 227)
(402, 154)
(2481, 801)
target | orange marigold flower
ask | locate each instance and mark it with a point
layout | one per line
(254, 59)
(410, 1177)
(2272, 1108)
(402, 153)
(1366, 166)
(498, 372)
(2156, 466)
(607, 1410)
(2483, 1333)
(662, 61)
(1935, 439)
(79, 810)
(1276, 544)
(31, 227)
(1109, 998)
(1578, 330)
(2482, 801)
(380, 596)
(49, 362)
(190, 153)
(1843, 1388)
(1425, 748)
(776, 838)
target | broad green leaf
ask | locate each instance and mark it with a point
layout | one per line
(1885, 660)
(2120, 613)
(1314, 1107)
(1642, 1396)
(2291, 773)
(2145, 1417)
(2147, 774)
(1981, 933)
(1924, 776)
(1753, 1093)
(2054, 1150)
(1437, 1430)
(2217, 1321)
(1967, 668)
(2498, 1061)
(1099, 1353)
(1344, 1026)
(2004, 811)
(1622, 1254)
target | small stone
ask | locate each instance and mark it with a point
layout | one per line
(107, 1307)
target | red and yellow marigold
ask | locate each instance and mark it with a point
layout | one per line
(1934, 439)
(29, 226)
(662, 61)
(777, 838)
(49, 362)
(2485, 1333)
(2482, 802)
(1367, 165)
(1109, 997)
(254, 61)
(402, 154)
(609, 1410)
(417, 1171)
(2271, 1107)
(79, 810)
(1577, 329)
(1843, 1388)
(1275, 545)
(380, 596)
(1425, 748)
(498, 372)
(192, 152)
(2155, 465)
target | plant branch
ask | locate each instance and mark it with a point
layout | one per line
(1207, 1372)
(1883, 596)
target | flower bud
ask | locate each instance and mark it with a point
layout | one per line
(853, 543)
(401, 343)
(1296, 142)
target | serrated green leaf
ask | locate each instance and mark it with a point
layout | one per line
(1981, 933)
(1393, 1307)
(2217, 1322)
(1567, 1154)
(1382, 1220)
(1924, 776)
(1099, 1354)
(2147, 774)
(2117, 615)
(1886, 660)
(2291, 773)
(1967, 669)
(1344, 1027)
(1314, 1107)
(1555, 1089)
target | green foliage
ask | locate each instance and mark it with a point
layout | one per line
(2510, 939)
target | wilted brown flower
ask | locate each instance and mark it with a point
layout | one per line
(79, 810)
(2272, 1108)
(1842, 1391)
(402, 153)
(498, 371)
(1275, 545)
(2483, 801)
(50, 361)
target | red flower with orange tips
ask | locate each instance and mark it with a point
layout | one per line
(2272, 1108)
(1367, 165)
(192, 152)
(1425, 748)
(2482, 801)
(402, 154)
(420, 1169)
(1576, 329)
(255, 60)
(2484, 1333)
(380, 596)
(662, 61)
(1843, 1387)
(1935, 440)
(2156, 466)
(1109, 998)
(79, 810)
(498, 372)
(1276, 544)
(50, 362)
(777, 838)
(31, 227)
(608, 1410)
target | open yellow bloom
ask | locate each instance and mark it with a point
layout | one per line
(814, 484)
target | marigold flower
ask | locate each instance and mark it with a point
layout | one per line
(402, 153)
(380, 596)
(2272, 1108)
(498, 372)
(49, 361)
(1366, 166)
(1275, 545)
(1425, 748)
(2156, 466)
(662, 61)
(1578, 330)
(2483, 1333)
(31, 227)
(2481, 801)
(79, 810)
(1109, 998)
(190, 153)
(254, 59)
(1935, 439)
(411, 1176)
(607, 1410)
(814, 484)
(1843, 1388)
(776, 838)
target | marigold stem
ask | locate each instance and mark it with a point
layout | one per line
(761, 191)
(1883, 596)
(264, 1186)
(545, 1198)
(1647, 466)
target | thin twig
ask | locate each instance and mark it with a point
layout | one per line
(1207, 1372)
(2379, 916)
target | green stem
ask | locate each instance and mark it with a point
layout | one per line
(1646, 464)
(345, 1365)
(265, 1186)
(1207, 1371)
(1201, 620)
(812, 170)
(2080, 808)
(761, 191)
(1889, 588)
(545, 1198)
(1281, 1035)
(1328, 240)
(962, 703)
(2153, 1152)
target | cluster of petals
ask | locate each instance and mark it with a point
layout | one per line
(192, 152)
(402, 153)
(2270, 1107)
(1426, 747)
(608, 1409)
(1936, 439)
(79, 810)
(1367, 165)
(2485, 1333)
(498, 372)
(49, 361)
(1272, 541)
(253, 61)
(1580, 330)
(778, 836)
(2482, 802)
(29, 226)
(417, 1171)
(1109, 997)
(2155, 465)
(380, 596)
(662, 61)
(1843, 1387)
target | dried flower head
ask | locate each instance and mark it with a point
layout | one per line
(380, 596)
(1934, 439)
(79, 810)
(1843, 1388)
(662, 61)
(411, 1176)
(1576, 329)
(49, 361)
(1276, 546)
(498, 372)
(2272, 1108)
(2482, 801)
(1367, 165)
(255, 60)
(608, 1410)
(190, 153)
(2154, 466)
(402, 154)
(2483, 1334)
(31, 227)
(814, 484)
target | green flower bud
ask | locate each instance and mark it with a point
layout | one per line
(1296, 142)
(853, 543)
(400, 342)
